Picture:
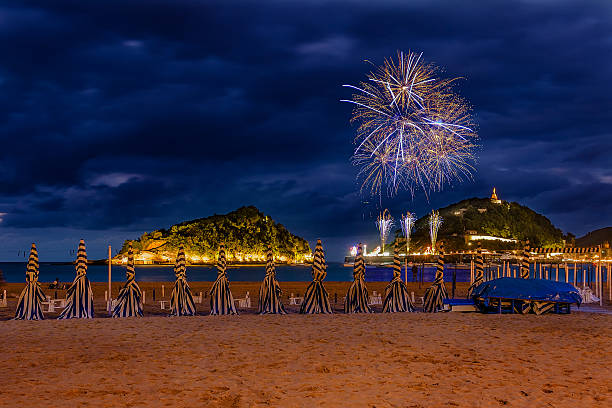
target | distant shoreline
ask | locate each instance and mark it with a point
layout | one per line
(105, 262)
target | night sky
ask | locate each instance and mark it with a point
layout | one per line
(118, 118)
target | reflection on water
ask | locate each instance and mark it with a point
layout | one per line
(15, 272)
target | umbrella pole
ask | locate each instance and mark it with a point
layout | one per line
(471, 271)
(110, 297)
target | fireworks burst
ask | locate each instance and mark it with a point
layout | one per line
(407, 221)
(384, 224)
(414, 131)
(434, 225)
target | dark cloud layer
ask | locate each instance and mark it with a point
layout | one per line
(118, 118)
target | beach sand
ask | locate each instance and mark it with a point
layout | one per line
(239, 290)
(378, 360)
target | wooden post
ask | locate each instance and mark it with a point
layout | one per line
(566, 272)
(583, 276)
(144, 297)
(110, 268)
(540, 271)
(406, 264)
(557, 272)
(454, 280)
(549, 273)
(610, 283)
(422, 269)
(599, 280)
(575, 270)
(163, 292)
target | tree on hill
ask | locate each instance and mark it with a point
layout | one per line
(245, 232)
(598, 237)
(481, 216)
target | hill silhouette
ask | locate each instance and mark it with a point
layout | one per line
(594, 238)
(246, 232)
(481, 216)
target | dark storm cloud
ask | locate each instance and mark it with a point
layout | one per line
(127, 116)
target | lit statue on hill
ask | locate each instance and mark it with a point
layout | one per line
(494, 198)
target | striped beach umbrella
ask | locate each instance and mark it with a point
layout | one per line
(221, 299)
(79, 297)
(29, 305)
(129, 300)
(270, 291)
(397, 298)
(357, 296)
(181, 300)
(436, 293)
(525, 306)
(316, 299)
(478, 271)
(525, 261)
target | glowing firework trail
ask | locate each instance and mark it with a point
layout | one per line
(407, 221)
(384, 224)
(434, 225)
(414, 131)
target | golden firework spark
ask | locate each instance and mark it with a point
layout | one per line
(414, 131)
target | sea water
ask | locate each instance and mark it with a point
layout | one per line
(337, 272)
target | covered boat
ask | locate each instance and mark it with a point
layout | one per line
(516, 295)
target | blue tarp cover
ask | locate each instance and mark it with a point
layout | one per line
(528, 289)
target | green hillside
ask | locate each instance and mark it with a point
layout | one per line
(246, 233)
(481, 216)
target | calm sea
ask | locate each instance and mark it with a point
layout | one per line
(15, 272)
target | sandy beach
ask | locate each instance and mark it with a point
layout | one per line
(336, 290)
(378, 360)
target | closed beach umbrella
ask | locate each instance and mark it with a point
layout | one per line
(221, 299)
(525, 261)
(129, 301)
(357, 296)
(478, 271)
(397, 298)
(181, 301)
(316, 299)
(525, 306)
(270, 291)
(79, 297)
(436, 293)
(29, 305)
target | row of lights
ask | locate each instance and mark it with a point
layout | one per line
(144, 257)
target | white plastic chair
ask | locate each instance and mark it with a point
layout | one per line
(3, 300)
